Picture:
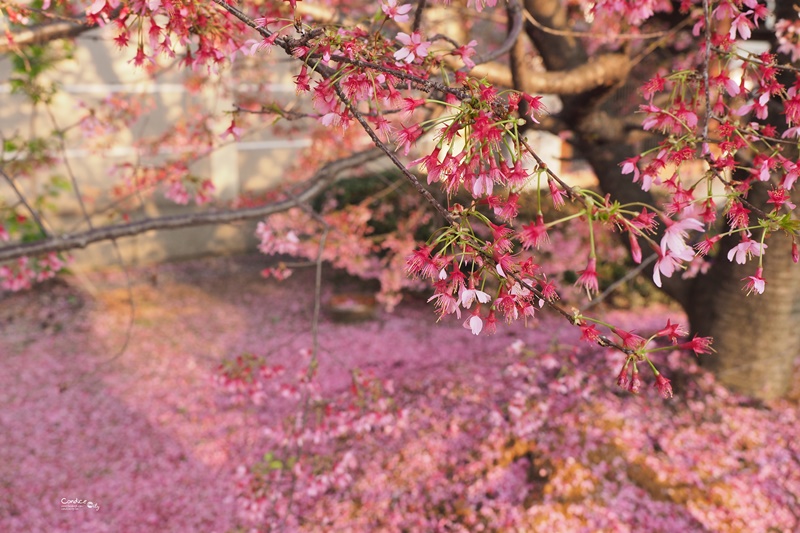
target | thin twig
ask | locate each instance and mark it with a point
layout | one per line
(117, 252)
(669, 35)
(572, 33)
(84, 377)
(418, 15)
(75, 186)
(624, 279)
(569, 191)
(706, 66)
(24, 202)
(312, 364)
(754, 58)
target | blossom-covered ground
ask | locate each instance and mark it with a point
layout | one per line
(437, 430)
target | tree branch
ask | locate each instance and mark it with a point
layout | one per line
(514, 11)
(51, 31)
(326, 175)
(425, 193)
(605, 70)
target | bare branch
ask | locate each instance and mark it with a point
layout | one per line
(621, 281)
(514, 11)
(605, 70)
(24, 201)
(616, 36)
(44, 33)
(315, 185)
(418, 15)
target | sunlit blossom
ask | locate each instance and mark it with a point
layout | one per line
(414, 47)
(395, 12)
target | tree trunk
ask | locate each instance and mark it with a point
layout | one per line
(756, 337)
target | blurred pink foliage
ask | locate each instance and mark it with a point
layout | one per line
(437, 431)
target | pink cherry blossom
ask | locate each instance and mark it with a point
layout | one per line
(663, 385)
(676, 233)
(465, 52)
(755, 283)
(414, 47)
(468, 296)
(667, 263)
(631, 165)
(474, 324)
(741, 25)
(588, 276)
(742, 251)
(395, 12)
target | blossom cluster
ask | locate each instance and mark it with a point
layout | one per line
(478, 149)
(738, 96)
(23, 273)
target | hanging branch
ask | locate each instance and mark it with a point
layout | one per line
(51, 31)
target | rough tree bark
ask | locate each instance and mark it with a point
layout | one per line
(756, 338)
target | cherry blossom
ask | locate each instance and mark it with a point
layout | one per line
(755, 283)
(395, 12)
(668, 262)
(474, 323)
(742, 251)
(414, 47)
(663, 385)
(468, 296)
(588, 276)
(675, 235)
(465, 52)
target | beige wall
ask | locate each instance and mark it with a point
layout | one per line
(99, 69)
(254, 164)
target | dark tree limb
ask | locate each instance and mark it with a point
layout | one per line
(51, 31)
(324, 177)
(514, 11)
(560, 51)
(44, 33)
(604, 71)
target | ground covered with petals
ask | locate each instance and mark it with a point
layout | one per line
(407, 424)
